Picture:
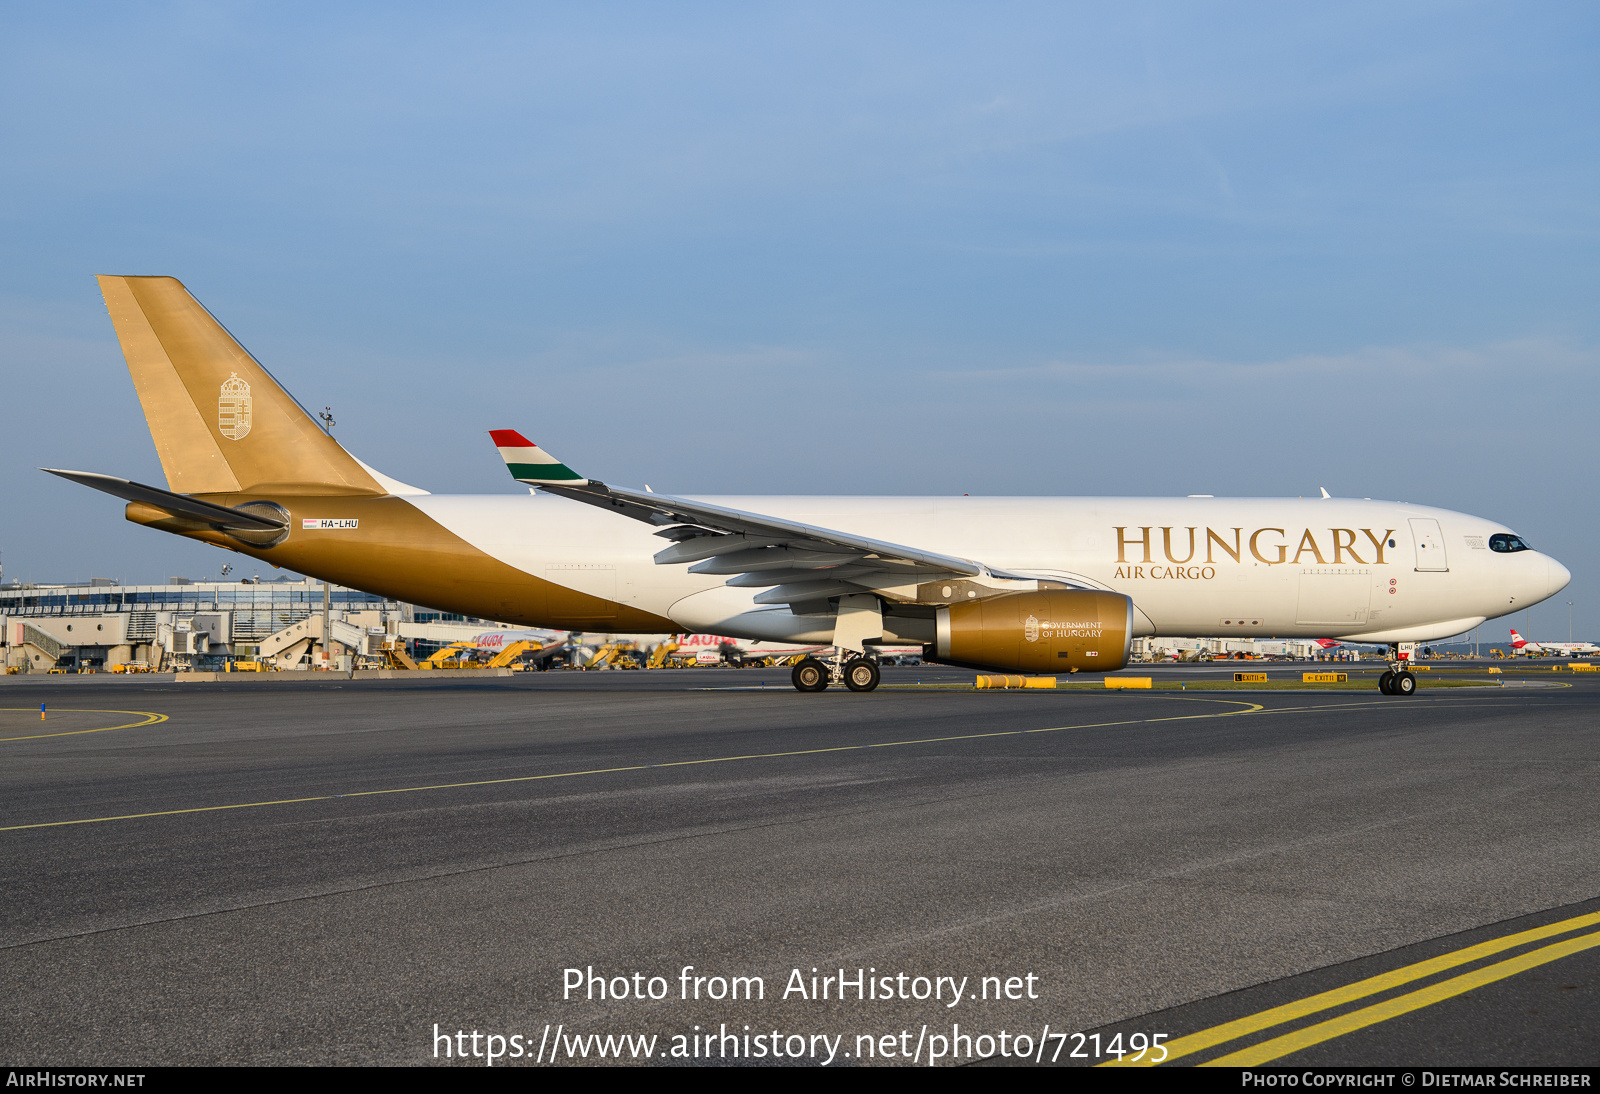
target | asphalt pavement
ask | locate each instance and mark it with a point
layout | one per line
(347, 871)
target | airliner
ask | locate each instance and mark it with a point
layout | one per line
(711, 649)
(502, 639)
(702, 648)
(1560, 649)
(1015, 584)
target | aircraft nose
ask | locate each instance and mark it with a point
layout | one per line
(1558, 577)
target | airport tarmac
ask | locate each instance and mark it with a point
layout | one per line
(324, 871)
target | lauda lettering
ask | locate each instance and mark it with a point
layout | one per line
(1268, 545)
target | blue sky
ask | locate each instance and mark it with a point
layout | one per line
(1023, 249)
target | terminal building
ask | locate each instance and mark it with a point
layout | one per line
(1218, 649)
(100, 624)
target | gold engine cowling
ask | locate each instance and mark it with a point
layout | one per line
(1057, 630)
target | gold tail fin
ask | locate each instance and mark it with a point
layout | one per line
(221, 423)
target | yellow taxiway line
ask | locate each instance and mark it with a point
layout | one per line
(1247, 708)
(1379, 1012)
(149, 720)
(1403, 1004)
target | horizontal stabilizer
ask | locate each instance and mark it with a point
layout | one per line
(178, 505)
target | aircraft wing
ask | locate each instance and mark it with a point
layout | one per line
(795, 563)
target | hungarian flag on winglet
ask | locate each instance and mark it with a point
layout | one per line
(531, 464)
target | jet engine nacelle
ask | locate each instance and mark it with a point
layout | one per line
(1056, 630)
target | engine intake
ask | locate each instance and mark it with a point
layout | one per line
(1056, 630)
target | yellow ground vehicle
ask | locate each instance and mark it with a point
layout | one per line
(457, 655)
(395, 655)
(506, 656)
(619, 655)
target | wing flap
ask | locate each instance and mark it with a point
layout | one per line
(802, 591)
(698, 545)
(758, 578)
(772, 558)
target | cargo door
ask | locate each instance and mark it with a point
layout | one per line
(1336, 596)
(1430, 544)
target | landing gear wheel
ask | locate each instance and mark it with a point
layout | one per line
(1404, 684)
(1385, 682)
(860, 674)
(810, 675)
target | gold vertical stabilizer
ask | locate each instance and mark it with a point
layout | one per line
(220, 422)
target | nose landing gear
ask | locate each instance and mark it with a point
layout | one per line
(1397, 683)
(1397, 679)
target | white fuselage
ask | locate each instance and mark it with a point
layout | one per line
(1371, 571)
(1558, 649)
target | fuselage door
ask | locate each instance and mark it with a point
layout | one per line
(1338, 596)
(1430, 544)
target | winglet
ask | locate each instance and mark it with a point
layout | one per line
(531, 464)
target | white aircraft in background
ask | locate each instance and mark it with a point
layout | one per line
(711, 649)
(499, 640)
(1560, 649)
(541, 644)
(1014, 584)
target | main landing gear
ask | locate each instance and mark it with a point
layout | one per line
(861, 674)
(858, 673)
(810, 675)
(1397, 679)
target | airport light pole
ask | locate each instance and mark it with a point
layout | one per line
(1569, 621)
(327, 598)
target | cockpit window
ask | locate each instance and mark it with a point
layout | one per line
(1507, 544)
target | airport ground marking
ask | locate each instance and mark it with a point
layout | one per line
(1403, 1004)
(1250, 708)
(1374, 985)
(149, 717)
